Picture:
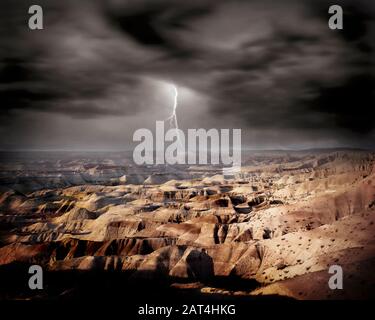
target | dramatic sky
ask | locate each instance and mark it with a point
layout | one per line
(102, 69)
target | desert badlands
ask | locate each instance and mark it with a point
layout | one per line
(272, 230)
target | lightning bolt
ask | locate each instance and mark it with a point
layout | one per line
(172, 119)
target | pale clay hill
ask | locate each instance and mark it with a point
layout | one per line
(280, 223)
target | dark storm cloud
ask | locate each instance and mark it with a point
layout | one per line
(299, 75)
(352, 101)
(65, 68)
(145, 24)
(263, 65)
